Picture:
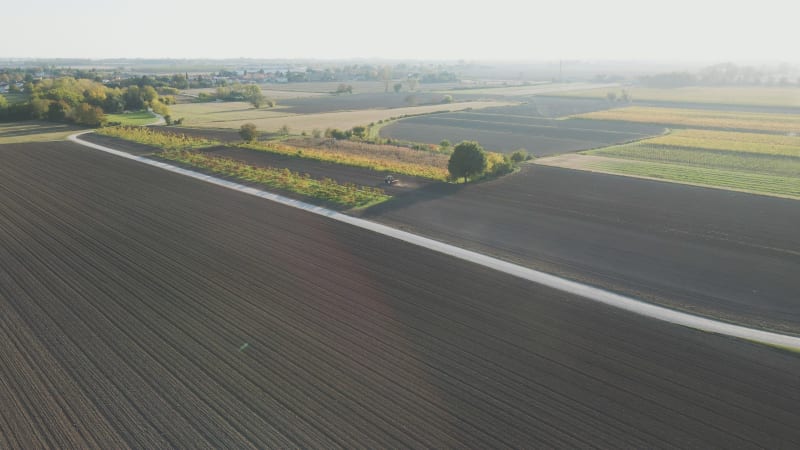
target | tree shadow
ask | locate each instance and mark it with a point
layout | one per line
(426, 193)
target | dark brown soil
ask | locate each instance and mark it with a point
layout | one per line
(724, 254)
(139, 308)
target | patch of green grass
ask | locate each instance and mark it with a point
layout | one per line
(727, 179)
(719, 159)
(133, 119)
(35, 131)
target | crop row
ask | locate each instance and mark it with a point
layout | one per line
(149, 136)
(782, 123)
(349, 195)
(727, 179)
(769, 144)
(434, 167)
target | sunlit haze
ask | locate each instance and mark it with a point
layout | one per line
(688, 30)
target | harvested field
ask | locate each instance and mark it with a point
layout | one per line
(534, 89)
(723, 254)
(701, 118)
(501, 131)
(352, 102)
(143, 309)
(747, 96)
(218, 114)
(272, 120)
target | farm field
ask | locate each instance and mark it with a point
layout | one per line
(144, 309)
(533, 89)
(133, 118)
(349, 102)
(322, 169)
(503, 130)
(233, 115)
(755, 96)
(35, 131)
(682, 168)
(719, 253)
(705, 119)
(275, 94)
(757, 163)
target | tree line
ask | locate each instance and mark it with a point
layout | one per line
(82, 101)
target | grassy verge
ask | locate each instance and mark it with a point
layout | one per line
(348, 195)
(375, 162)
(166, 141)
(132, 118)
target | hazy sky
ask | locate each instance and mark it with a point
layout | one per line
(707, 30)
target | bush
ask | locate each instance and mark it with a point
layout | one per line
(316, 133)
(519, 156)
(447, 99)
(503, 167)
(248, 132)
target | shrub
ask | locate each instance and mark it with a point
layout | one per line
(519, 156)
(248, 132)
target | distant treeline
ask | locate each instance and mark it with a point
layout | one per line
(726, 74)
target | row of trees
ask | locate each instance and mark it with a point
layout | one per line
(250, 93)
(81, 101)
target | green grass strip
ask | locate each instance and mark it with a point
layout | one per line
(726, 179)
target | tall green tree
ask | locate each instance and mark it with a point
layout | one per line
(467, 160)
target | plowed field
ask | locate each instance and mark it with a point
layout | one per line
(142, 309)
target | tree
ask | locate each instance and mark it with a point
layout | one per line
(316, 133)
(447, 99)
(87, 114)
(444, 144)
(248, 132)
(468, 160)
(342, 88)
(412, 83)
(253, 95)
(284, 130)
(3, 102)
(397, 87)
(611, 96)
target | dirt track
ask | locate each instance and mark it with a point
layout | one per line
(723, 254)
(128, 293)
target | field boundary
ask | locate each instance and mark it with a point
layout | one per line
(588, 292)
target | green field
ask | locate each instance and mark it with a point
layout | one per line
(35, 131)
(132, 118)
(718, 159)
(758, 163)
(726, 179)
(756, 96)
(702, 118)
(771, 144)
